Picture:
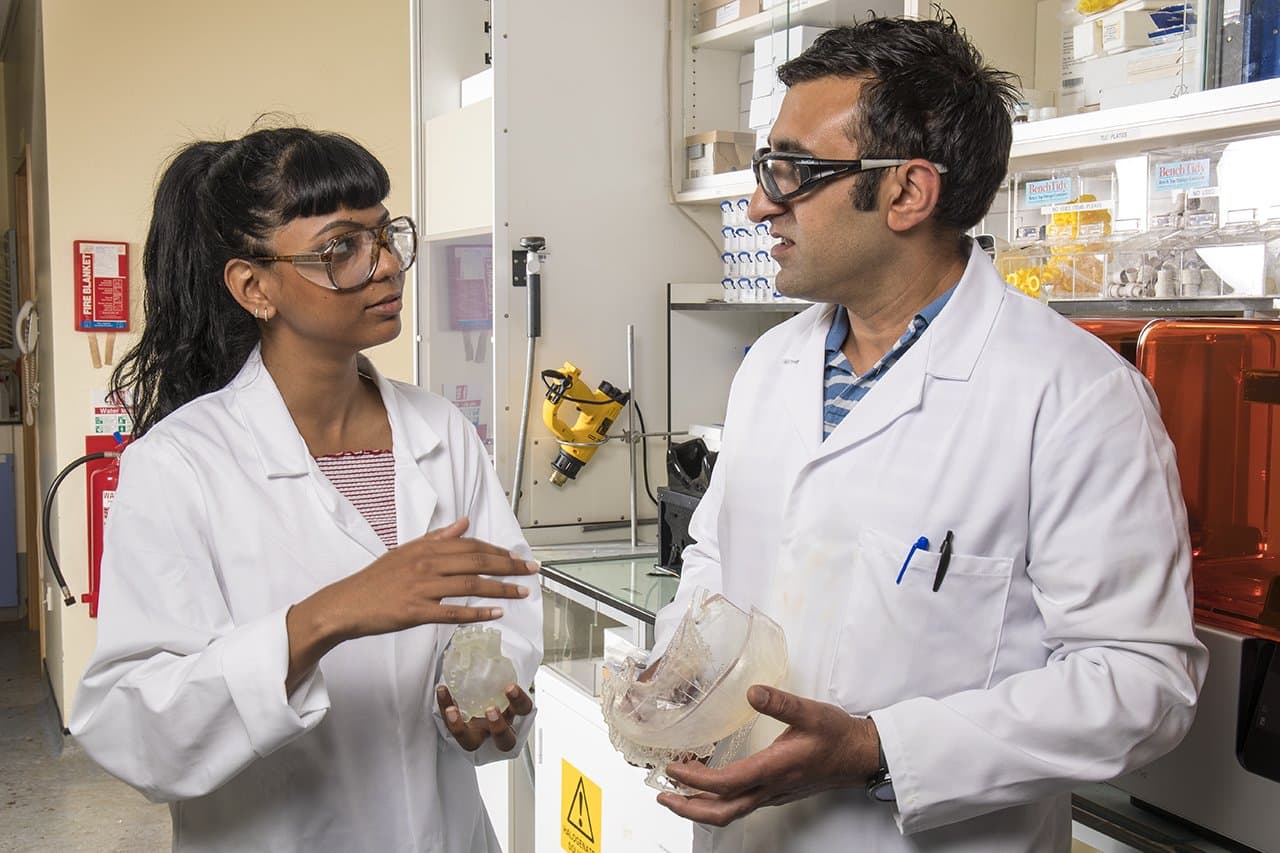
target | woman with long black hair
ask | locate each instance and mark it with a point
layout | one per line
(285, 558)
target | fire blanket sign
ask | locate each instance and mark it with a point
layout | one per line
(102, 286)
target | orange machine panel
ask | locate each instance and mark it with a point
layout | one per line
(1218, 381)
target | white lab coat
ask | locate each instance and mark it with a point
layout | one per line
(221, 522)
(1059, 648)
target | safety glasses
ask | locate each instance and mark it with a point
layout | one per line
(350, 260)
(786, 175)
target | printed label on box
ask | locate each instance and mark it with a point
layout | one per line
(1078, 207)
(727, 13)
(1182, 175)
(1051, 191)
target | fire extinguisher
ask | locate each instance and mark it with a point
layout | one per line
(101, 482)
(101, 492)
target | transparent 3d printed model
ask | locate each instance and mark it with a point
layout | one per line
(476, 672)
(693, 705)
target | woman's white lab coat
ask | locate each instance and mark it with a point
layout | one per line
(221, 522)
(1059, 647)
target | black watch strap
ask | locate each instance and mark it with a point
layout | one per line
(880, 785)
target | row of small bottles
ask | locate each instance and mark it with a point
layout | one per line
(748, 269)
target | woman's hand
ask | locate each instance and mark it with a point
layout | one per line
(472, 733)
(402, 589)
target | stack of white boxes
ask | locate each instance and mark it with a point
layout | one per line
(766, 90)
(1123, 56)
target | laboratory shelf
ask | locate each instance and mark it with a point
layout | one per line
(742, 307)
(1103, 133)
(712, 189)
(741, 35)
(1227, 306)
(1211, 114)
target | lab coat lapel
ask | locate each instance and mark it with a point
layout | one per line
(799, 380)
(412, 439)
(896, 393)
(948, 349)
(283, 453)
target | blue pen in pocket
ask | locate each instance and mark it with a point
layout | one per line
(922, 542)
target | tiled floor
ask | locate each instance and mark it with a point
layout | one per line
(52, 797)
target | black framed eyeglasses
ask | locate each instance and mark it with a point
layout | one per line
(350, 260)
(785, 175)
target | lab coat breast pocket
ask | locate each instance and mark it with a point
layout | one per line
(900, 641)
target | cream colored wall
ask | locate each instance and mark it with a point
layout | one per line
(128, 82)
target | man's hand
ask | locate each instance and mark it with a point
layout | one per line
(822, 748)
(474, 732)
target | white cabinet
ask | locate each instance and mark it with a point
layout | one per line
(614, 810)
(573, 147)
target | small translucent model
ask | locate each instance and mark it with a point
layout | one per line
(693, 705)
(476, 671)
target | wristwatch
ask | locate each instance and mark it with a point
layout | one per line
(880, 784)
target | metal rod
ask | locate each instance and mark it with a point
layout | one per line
(631, 426)
(522, 434)
(626, 435)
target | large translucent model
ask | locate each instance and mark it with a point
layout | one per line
(693, 705)
(477, 672)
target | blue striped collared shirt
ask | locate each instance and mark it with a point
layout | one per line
(841, 388)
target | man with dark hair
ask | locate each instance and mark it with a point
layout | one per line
(963, 510)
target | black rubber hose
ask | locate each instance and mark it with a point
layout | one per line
(47, 514)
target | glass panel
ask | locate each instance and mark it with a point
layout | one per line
(573, 636)
(1219, 387)
(1185, 222)
(458, 327)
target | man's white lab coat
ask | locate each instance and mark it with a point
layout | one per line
(1059, 648)
(222, 521)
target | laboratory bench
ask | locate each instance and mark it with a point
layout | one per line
(599, 602)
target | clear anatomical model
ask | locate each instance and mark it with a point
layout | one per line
(693, 705)
(476, 672)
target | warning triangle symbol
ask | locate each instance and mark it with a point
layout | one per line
(579, 816)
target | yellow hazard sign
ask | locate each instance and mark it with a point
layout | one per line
(580, 805)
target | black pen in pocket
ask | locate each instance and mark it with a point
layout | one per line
(944, 560)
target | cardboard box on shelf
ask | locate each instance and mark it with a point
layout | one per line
(1161, 61)
(760, 113)
(1086, 40)
(1126, 30)
(723, 14)
(788, 44)
(765, 82)
(717, 151)
(777, 47)
(746, 67)
(762, 53)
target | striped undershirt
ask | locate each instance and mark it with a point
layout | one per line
(366, 478)
(842, 388)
